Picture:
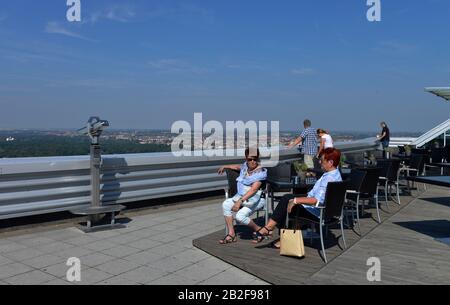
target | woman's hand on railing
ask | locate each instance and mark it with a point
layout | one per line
(221, 170)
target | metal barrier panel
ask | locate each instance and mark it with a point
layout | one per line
(30, 186)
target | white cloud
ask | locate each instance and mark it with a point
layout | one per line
(56, 28)
(118, 13)
(303, 71)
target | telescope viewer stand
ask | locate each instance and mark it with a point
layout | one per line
(93, 224)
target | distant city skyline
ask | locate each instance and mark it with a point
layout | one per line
(144, 64)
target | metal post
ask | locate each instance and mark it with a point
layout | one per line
(96, 160)
(94, 129)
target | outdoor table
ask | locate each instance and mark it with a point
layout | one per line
(294, 183)
(433, 180)
(403, 158)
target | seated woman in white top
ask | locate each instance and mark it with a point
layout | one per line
(248, 200)
(326, 141)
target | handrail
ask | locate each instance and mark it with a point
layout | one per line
(30, 186)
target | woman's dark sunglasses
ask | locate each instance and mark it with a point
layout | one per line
(252, 159)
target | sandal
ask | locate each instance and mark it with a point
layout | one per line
(260, 237)
(230, 240)
(273, 245)
(255, 234)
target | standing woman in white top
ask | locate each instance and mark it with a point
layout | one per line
(326, 141)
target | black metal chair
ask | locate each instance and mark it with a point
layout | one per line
(331, 213)
(390, 175)
(232, 176)
(384, 165)
(438, 155)
(415, 168)
(281, 173)
(367, 191)
(355, 182)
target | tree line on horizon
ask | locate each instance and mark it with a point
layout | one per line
(55, 146)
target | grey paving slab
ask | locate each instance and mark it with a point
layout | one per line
(171, 264)
(145, 232)
(95, 259)
(118, 281)
(145, 257)
(92, 276)
(35, 241)
(62, 235)
(100, 245)
(145, 244)
(232, 277)
(173, 280)
(76, 251)
(57, 282)
(144, 275)
(125, 239)
(34, 277)
(105, 234)
(11, 246)
(44, 261)
(54, 247)
(24, 254)
(59, 270)
(166, 250)
(192, 255)
(165, 237)
(118, 266)
(196, 273)
(81, 240)
(13, 269)
(121, 251)
(182, 243)
(5, 261)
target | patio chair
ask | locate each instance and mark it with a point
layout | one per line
(415, 168)
(283, 173)
(355, 182)
(390, 175)
(437, 156)
(367, 191)
(332, 212)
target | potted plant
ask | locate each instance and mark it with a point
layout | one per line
(342, 163)
(301, 169)
(408, 150)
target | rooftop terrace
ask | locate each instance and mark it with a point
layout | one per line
(176, 242)
(157, 248)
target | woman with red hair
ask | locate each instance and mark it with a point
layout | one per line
(308, 206)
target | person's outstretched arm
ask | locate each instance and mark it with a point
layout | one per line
(232, 167)
(296, 142)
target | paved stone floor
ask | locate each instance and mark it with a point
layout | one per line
(155, 248)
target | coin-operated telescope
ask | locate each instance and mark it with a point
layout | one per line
(94, 129)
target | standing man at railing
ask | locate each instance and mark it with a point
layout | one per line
(384, 138)
(308, 142)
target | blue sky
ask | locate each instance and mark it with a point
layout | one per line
(146, 64)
